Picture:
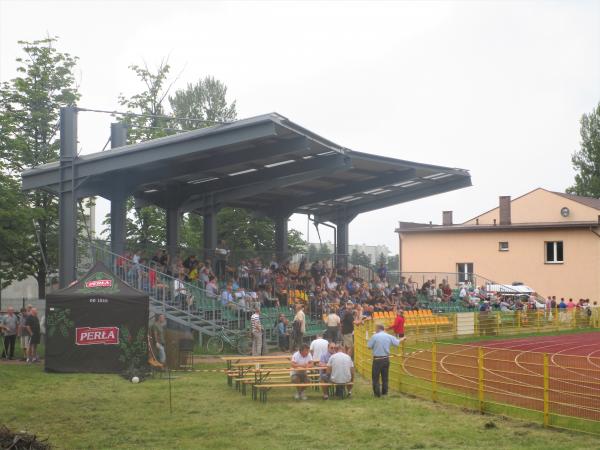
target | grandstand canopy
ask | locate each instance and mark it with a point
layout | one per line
(266, 164)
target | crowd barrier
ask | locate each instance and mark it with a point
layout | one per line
(560, 391)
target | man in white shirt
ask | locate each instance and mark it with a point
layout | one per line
(318, 348)
(256, 333)
(301, 359)
(333, 324)
(341, 370)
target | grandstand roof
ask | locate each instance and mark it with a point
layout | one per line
(267, 164)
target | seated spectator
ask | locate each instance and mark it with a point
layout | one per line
(324, 376)
(341, 370)
(301, 359)
(318, 347)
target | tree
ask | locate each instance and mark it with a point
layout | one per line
(16, 233)
(359, 258)
(586, 161)
(29, 111)
(205, 100)
(393, 263)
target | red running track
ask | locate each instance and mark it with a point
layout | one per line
(513, 371)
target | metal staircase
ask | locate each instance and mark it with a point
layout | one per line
(195, 309)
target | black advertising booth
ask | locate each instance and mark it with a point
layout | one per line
(99, 324)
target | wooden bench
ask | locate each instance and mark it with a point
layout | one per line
(241, 383)
(263, 389)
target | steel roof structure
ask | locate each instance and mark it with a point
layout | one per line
(266, 164)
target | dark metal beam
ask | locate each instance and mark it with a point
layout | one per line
(351, 188)
(67, 209)
(397, 198)
(118, 210)
(150, 152)
(270, 179)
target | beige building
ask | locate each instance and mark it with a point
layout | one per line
(547, 240)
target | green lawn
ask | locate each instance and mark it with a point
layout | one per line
(106, 411)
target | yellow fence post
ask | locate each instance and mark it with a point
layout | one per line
(455, 325)
(400, 366)
(519, 321)
(433, 371)
(546, 392)
(537, 314)
(498, 319)
(480, 377)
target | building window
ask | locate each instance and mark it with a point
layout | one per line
(554, 252)
(464, 272)
(503, 246)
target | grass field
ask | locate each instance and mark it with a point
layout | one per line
(106, 411)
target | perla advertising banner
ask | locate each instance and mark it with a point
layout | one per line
(99, 324)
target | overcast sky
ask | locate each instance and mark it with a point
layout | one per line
(496, 87)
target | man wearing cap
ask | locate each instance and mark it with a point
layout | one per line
(380, 344)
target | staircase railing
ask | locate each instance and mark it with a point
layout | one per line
(182, 302)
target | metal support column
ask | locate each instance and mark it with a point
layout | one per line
(281, 236)
(67, 197)
(342, 242)
(118, 210)
(173, 227)
(210, 234)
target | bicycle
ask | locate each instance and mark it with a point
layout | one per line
(239, 340)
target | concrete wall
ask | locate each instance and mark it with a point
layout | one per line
(578, 277)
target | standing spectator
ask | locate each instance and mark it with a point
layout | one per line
(380, 343)
(298, 327)
(221, 254)
(32, 324)
(257, 333)
(301, 359)
(283, 337)
(23, 334)
(157, 333)
(9, 324)
(382, 272)
(341, 371)
(333, 325)
(398, 325)
(318, 347)
(348, 329)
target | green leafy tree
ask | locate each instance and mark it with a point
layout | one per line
(393, 262)
(312, 252)
(29, 110)
(586, 161)
(206, 100)
(16, 233)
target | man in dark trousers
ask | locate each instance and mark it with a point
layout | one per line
(9, 325)
(32, 324)
(380, 344)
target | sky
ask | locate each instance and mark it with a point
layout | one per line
(495, 87)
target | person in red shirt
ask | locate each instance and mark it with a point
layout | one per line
(398, 325)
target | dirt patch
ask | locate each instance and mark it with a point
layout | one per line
(21, 440)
